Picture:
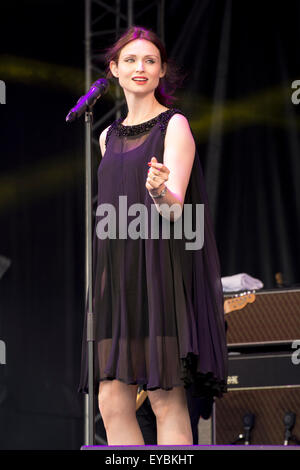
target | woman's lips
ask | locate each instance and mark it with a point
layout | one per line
(140, 80)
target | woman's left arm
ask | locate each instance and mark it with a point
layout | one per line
(179, 154)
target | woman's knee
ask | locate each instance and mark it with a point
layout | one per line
(164, 402)
(116, 398)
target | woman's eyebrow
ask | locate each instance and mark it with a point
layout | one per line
(134, 55)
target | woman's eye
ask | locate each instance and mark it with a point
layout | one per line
(151, 61)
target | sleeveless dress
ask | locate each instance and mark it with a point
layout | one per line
(159, 317)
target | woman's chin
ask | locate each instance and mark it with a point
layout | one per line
(139, 89)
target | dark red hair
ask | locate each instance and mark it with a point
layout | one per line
(167, 84)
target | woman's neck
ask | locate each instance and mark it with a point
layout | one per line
(142, 110)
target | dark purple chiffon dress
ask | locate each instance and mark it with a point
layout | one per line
(158, 306)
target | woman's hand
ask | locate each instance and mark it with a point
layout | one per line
(160, 173)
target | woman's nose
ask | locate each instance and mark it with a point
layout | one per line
(140, 66)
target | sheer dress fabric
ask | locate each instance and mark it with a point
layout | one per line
(159, 316)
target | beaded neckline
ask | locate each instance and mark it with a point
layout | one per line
(124, 131)
(135, 129)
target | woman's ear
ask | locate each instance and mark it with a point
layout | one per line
(163, 70)
(113, 68)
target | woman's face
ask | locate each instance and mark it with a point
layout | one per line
(139, 58)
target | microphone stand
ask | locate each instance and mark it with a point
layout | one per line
(248, 422)
(85, 104)
(289, 422)
(89, 274)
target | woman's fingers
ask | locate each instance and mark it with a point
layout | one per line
(158, 174)
(150, 186)
(154, 183)
(155, 179)
(159, 167)
(155, 172)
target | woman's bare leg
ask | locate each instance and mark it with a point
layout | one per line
(172, 416)
(117, 405)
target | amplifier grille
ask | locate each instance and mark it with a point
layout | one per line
(274, 316)
(269, 407)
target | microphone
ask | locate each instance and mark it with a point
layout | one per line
(98, 88)
(248, 421)
(289, 422)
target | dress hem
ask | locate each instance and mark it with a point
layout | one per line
(201, 385)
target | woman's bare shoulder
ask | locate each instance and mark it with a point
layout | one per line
(178, 120)
(179, 130)
(102, 140)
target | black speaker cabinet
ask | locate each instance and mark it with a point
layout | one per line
(266, 384)
(263, 337)
(267, 316)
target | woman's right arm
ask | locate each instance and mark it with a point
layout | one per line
(102, 139)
